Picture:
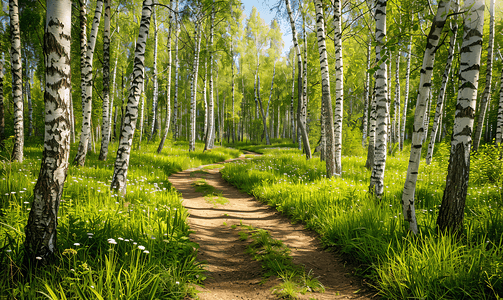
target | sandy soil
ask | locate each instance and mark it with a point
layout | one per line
(233, 274)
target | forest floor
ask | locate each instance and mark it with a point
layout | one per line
(231, 272)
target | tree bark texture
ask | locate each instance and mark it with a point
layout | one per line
(451, 213)
(339, 85)
(193, 87)
(381, 89)
(408, 196)
(17, 81)
(41, 236)
(105, 129)
(119, 178)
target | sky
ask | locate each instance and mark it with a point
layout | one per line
(263, 7)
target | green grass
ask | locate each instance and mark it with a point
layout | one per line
(276, 261)
(372, 232)
(211, 195)
(135, 247)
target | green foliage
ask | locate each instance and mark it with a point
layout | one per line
(373, 232)
(135, 247)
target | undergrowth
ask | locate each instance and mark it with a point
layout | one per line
(110, 247)
(372, 232)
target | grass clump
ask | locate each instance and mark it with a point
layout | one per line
(372, 232)
(111, 247)
(211, 195)
(276, 261)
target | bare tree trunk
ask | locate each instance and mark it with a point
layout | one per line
(422, 108)
(377, 178)
(339, 87)
(87, 73)
(105, 137)
(155, 119)
(407, 86)
(17, 81)
(2, 107)
(193, 87)
(168, 86)
(301, 122)
(445, 78)
(369, 164)
(499, 123)
(40, 244)
(210, 136)
(264, 120)
(451, 213)
(328, 143)
(367, 96)
(489, 77)
(119, 178)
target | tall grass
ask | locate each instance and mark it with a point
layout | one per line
(372, 232)
(135, 247)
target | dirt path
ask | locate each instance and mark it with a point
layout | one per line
(231, 273)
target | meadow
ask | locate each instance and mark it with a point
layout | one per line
(132, 247)
(371, 232)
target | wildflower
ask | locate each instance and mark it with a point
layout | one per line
(178, 282)
(38, 258)
(141, 247)
(146, 252)
(112, 241)
(76, 244)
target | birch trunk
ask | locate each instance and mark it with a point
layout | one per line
(205, 100)
(326, 106)
(489, 76)
(17, 81)
(168, 87)
(210, 136)
(367, 96)
(293, 131)
(445, 78)
(86, 80)
(339, 86)
(232, 88)
(264, 120)
(177, 67)
(155, 121)
(193, 87)
(41, 237)
(369, 164)
(377, 178)
(30, 107)
(396, 118)
(301, 122)
(418, 134)
(105, 131)
(119, 178)
(407, 86)
(499, 123)
(451, 213)
(142, 110)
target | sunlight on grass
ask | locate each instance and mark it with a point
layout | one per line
(372, 232)
(110, 247)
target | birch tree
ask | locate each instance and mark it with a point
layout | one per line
(499, 123)
(193, 85)
(451, 213)
(105, 129)
(2, 107)
(168, 82)
(119, 178)
(377, 178)
(407, 86)
(177, 67)
(339, 86)
(445, 78)
(418, 133)
(86, 83)
(489, 76)
(41, 236)
(155, 121)
(17, 81)
(301, 119)
(366, 97)
(327, 113)
(211, 112)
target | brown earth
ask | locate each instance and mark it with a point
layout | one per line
(233, 274)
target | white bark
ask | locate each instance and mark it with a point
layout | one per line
(406, 99)
(155, 83)
(451, 214)
(366, 96)
(17, 81)
(177, 67)
(445, 78)
(193, 87)
(499, 124)
(86, 84)
(327, 114)
(168, 86)
(301, 122)
(41, 235)
(119, 178)
(105, 137)
(210, 135)
(408, 196)
(489, 76)
(381, 135)
(339, 86)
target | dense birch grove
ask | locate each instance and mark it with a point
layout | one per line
(400, 76)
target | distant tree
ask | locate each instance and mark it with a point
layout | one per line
(41, 236)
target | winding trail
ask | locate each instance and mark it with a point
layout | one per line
(231, 273)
